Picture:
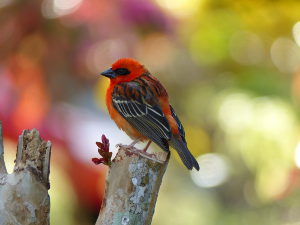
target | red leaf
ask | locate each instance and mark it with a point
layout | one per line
(103, 150)
(99, 144)
(105, 143)
(97, 161)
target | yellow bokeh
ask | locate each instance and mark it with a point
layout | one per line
(181, 8)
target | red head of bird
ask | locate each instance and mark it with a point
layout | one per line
(124, 70)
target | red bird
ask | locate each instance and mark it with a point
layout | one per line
(139, 105)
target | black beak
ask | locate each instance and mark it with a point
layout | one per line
(109, 73)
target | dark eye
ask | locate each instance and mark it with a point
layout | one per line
(122, 71)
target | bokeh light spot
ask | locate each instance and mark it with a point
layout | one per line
(214, 170)
(181, 8)
(296, 33)
(235, 112)
(285, 55)
(58, 8)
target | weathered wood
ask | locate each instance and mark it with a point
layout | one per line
(132, 187)
(2, 163)
(24, 198)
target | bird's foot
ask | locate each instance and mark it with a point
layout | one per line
(131, 145)
(150, 155)
(133, 150)
(125, 146)
(147, 146)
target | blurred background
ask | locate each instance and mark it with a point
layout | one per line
(232, 70)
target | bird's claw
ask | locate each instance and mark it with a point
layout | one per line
(130, 150)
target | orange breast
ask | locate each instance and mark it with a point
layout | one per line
(119, 120)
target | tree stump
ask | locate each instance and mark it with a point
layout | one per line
(132, 187)
(24, 198)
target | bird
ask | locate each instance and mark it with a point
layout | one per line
(139, 105)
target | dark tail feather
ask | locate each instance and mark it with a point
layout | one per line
(187, 158)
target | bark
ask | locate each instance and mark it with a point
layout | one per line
(24, 198)
(132, 187)
(2, 164)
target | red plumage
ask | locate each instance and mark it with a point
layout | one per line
(139, 105)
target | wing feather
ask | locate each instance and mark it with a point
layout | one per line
(139, 106)
(180, 127)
